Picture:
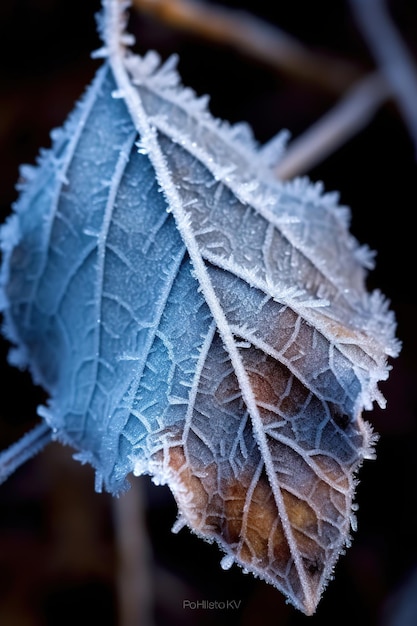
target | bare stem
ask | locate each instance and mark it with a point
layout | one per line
(254, 37)
(134, 581)
(392, 56)
(349, 116)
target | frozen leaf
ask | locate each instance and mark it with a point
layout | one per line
(197, 320)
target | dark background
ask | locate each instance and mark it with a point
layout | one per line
(58, 557)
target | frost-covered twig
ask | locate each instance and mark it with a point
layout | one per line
(134, 583)
(392, 56)
(337, 126)
(24, 449)
(256, 38)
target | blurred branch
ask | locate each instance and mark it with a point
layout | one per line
(134, 580)
(391, 55)
(254, 37)
(349, 116)
(361, 96)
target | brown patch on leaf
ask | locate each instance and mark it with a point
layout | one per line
(333, 471)
(190, 490)
(252, 525)
(247, 521)
(370, 348)
(342, 332)
(273, 385)
(300, 514)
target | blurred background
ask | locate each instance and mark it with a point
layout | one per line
(61, 556)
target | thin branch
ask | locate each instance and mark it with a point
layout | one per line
(347, 118)
(254, 37)
(392, 56)
(134, 580)
(280, 50)
(28, 446)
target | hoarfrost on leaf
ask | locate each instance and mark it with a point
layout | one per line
(217, 335)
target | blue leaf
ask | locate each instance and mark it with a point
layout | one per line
(192, 318)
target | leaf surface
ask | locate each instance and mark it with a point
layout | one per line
(197, 320)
